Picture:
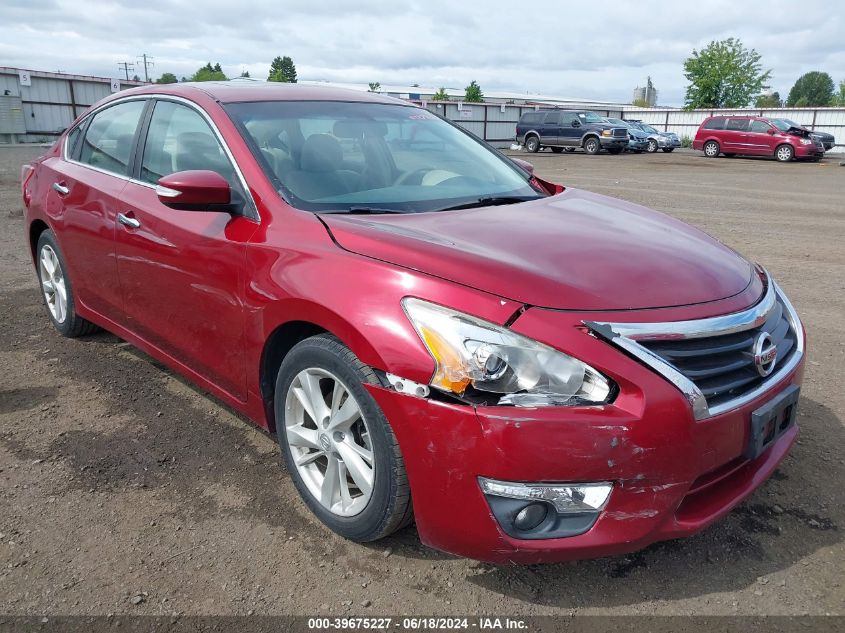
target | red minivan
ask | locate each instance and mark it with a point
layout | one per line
(756, 136)
(529, 372)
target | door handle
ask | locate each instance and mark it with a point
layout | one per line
(60, 188)
(125, 220)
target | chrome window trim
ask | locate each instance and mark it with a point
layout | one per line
(627, 335)
(193, 106)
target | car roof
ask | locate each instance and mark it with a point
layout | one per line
(242, 91)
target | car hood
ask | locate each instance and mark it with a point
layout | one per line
(576, 250)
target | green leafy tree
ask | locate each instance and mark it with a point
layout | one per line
(245, 73)
(771, 100)
(167, 78)
(440, 95)
(812, 89)
(209, 73)
(839, 97)
(724, 74)
(375, 86)
(282, 70)
(640, 103)
(472, 93)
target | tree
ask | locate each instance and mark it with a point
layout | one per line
(282, 70)
(811, 90)
(473, 93)
(375, 86)
(724, 75)
(245, 73)
(136, 78)
(839, 97)
(640, 103)
(769, 100)
(167, 78)
(209, 73)
(440, 95)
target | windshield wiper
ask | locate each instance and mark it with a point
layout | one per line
(491, 201)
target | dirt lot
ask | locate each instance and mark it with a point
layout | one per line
(125, 490)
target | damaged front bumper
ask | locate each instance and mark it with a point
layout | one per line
(670, 475)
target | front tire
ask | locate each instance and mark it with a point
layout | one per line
(336, 443)
(532, 144)
(652, 146)
(592, 146)
(784, 153)
(711, 149)
(56, 289)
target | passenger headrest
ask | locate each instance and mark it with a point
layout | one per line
(321, 152)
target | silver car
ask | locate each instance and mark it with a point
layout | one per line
(667, 141)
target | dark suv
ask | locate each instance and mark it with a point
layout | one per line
(559, 129)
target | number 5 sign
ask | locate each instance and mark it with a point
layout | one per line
(25, 78)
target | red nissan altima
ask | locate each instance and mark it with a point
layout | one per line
(528, 372)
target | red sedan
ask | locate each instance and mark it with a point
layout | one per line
(531, 373)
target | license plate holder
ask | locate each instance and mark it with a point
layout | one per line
(772, 420)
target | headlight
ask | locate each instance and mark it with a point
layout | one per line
(471, 352)
(605, 132)
(806, 141)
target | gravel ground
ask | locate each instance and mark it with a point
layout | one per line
(125, 490)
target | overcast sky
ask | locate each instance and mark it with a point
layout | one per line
(580, 49)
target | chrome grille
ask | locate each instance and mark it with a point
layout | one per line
(722, 367)
(711, 361)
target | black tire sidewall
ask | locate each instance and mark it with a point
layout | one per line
(594, 143)
(532, 144)
(369, 523)
(791, 153)
(718, 149)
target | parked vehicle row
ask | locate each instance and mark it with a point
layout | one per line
(758, 136)
(569, 130)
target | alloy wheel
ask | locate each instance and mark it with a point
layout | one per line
(711, 149)
(53, 283)
(784, 153)
(330, 441)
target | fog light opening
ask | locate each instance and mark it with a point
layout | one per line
(530, 517)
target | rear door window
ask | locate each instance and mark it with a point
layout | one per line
(110, 136)
(552, 118)
(737, 125)
(531, 118)
(716, 123)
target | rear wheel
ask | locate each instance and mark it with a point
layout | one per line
(532, 144)
(337, 445)
(784, 153)
(652, 146)
(711, 149)
(592, 145)
(557, 150)
(56, 289)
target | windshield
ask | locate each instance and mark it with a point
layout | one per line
(372, 157)
(618, 122)
(783, 124)
(648, 128)
(591, 117)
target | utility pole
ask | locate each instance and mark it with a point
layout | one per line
(148, 61)
(126, 68)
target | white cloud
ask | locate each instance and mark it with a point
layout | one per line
(596, 51)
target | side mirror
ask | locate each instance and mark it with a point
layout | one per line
(576, 123)
(524, 165)
(770, 131)
(195, 190)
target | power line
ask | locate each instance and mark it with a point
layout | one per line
(148, 61)
(127, 66)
